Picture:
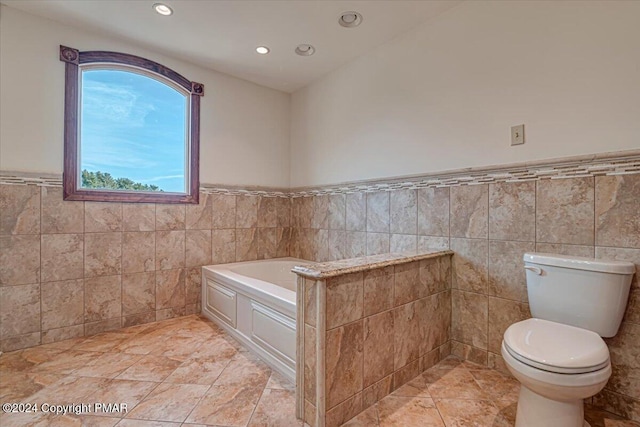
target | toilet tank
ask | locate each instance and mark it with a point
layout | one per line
(584, 292)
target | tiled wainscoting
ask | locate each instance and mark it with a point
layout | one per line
(489, 227)
(69, 269)
(367, 333)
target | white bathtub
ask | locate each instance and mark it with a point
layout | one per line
(255, 302)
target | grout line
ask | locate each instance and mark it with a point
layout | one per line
(452, 264)
(155, 263)
(438, 409)
(201, 397)
(364, 322)
(84, 280)
(535, 217)
(594, 214)
(258, 402)
(486, 288)
(40, 271)
(235, 228)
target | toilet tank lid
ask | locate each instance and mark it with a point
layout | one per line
(580, 263)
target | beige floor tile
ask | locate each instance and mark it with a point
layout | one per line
(418, 387)
(199, 425)
(62, 345)
(226, 405)
(496, 385)
(35, 355)
(150, 368)
(449, 363)
(143, 343)
(621, 423)
(202, 370)
(473, 366)
(143, 423)
(408, 390)
(408, 411)
(102, 342)
(198, 371)
(169, 402)
(244, 369)
(599, 418)
(66, 362)
(245, 390)
(93, 421)
(436, 373)
(39, 419)
(468, 413)
(68, 390)
(507, 412)
(276, 408)
(167, 339)
(122, 391)
(213, 347)
(17, 386)
(179, 346)
(108, 365)
(456, 384)
(138, 329)
(279, 382)
(14, 362)
(366, 418)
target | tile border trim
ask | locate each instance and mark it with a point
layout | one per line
(612, 163)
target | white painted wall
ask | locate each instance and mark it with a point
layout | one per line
(244, 136)
(444, 95)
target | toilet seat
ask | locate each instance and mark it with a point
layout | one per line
(555, 347)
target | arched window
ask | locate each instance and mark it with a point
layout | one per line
(131, 130)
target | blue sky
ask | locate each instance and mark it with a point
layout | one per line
(133, 127)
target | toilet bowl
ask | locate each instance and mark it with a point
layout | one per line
(558, 366)
(559, 355)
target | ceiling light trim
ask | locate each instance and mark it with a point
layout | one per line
(305, 50)
(350, 19)
(162, 9)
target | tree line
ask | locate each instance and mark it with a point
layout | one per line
(105, 180)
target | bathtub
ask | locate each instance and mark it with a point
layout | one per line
(255, 302)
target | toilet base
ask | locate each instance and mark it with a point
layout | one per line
(535, 410)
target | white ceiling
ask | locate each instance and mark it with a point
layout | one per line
(223, 34)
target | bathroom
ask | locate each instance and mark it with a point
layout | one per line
(401, 141)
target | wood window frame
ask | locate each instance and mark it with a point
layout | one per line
(73, 59)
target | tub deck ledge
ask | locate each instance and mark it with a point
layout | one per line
(323, 270)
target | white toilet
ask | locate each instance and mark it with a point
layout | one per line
(559, 356)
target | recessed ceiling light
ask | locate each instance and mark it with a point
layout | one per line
(162, 9)
(262, 50)
(305, 50)
(350, 19)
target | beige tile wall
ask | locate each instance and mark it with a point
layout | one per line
(69, 269)
(490, 227)
(73, 268)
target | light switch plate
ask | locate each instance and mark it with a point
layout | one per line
(517, 135)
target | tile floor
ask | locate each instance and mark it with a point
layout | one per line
(188, 372)
(457, 393)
